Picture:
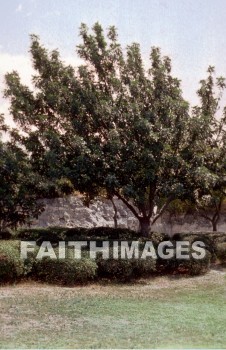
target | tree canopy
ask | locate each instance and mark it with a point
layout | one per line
(116, 125)
(18, 186)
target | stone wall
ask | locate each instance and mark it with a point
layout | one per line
(70, 212)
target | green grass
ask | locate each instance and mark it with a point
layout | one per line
(164, 313)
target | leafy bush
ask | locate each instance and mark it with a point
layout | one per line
(115, 269)
(52, 234)
(75, 233)
(144, 267)
(6, 234)
(211, 240)
(124, 269)
(190, 266)
(214, 236)
(194, 267)
(41, 234)
(65, 272)
(11, 266)
(112, 233)
(157, 237)
(55, 234)
(221, 252)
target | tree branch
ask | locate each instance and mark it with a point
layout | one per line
(130, 206)
(152, 189)
(164, 207)
(205, 217)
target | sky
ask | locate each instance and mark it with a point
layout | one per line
(191, 32)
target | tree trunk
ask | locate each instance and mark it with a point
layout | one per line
(214, 224)
(145, 226)
(216, 219)
(115, 217)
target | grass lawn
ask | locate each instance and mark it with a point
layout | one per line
(165, 312)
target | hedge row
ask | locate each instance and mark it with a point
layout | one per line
(55, 234)
(71, 271)
(68, 271)
(215, 243)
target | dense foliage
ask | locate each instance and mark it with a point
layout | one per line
(65, 272)
(18, 188)
(112, 125)
(12, 268)
(70, 271)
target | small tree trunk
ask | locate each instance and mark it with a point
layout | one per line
(115, 217)
(144, 226)
(216, 219)
(214, 224)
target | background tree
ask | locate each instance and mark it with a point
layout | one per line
(23, 181)
(110, 124)
(18, 187)
(209, 148)
(206, 154)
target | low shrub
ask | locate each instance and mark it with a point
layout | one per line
(54, 234)
(115, 269)
(189, 266)
(221, 252)
(65, 272)
(194, 267)
(124, 269)
(76, 233)
(39, 235)
(211, 240)
(112, 233)
(6, 234)
(71, 271)
(12, 267)
(158, 237)
(144, 267)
